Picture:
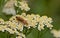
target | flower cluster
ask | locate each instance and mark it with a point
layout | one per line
(9, 7)
(11, 27)
(23, 5)
(56, 33)
(18, 22)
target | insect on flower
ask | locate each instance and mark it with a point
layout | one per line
(22, 20)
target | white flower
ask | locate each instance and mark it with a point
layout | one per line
(2, 28)
(9, 11)
(18, 37)
(21, 36)
(23, 14)
(1, 21)
(14, 25)
(56, 33)
(40, 27)
(20, 26)
(45, 21)
(24, 6)
(9, 30)
(9, 8)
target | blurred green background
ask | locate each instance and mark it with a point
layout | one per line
(51, 8)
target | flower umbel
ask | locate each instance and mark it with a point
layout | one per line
(18, 22)
(23, 5)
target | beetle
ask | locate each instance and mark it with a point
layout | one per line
(22, 20)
